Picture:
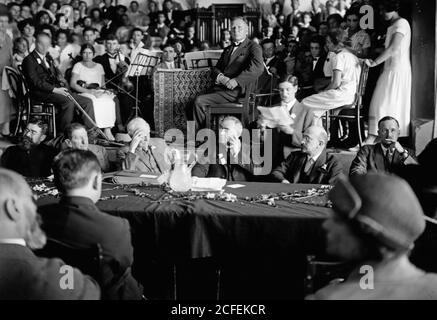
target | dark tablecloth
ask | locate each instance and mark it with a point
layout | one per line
(254, 233)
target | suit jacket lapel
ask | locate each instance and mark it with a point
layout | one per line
(240, 48)
(379, 157)
(37, 57)
(315, 172)
(159, 158)
(298, 168)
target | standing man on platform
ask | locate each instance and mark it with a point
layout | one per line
(240, 65)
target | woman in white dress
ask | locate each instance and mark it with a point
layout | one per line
(346, 70)
(392, 95)
(88, 78)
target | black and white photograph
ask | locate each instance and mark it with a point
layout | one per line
(218, 158)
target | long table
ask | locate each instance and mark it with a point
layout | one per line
(246, 241)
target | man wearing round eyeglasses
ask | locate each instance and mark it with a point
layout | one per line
(30, 157)
(387, 155)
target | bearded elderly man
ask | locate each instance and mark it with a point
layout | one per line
(23, 275)
(240, 65)
(31, 158)
(143, 154)
(375, 222)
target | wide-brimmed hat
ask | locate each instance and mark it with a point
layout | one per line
(384, 205)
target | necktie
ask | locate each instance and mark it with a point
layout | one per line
(388, 156)
(308, 165)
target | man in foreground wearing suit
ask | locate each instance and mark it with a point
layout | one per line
(312, 164)
(46, 84)
(385, 156)
(77, 221)
(239, 66)
(24, 276)
(288, 137)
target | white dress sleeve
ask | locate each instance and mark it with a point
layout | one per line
(77, 68)
(339, 62)
(402, 27)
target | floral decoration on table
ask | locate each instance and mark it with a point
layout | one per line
(42, 190)
(313, 196)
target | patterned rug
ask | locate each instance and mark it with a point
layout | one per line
(175, 91)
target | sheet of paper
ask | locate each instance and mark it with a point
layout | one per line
(235, 186)
(151, 176)
(276, 116)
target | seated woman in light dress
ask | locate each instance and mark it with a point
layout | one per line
(88, 78)
(346, 70)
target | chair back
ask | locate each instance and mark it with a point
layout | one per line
(88, 260)
(362, 84)
(20, 102)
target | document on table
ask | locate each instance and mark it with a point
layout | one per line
(275, 116)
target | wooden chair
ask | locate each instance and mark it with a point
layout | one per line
(87, 260)
(351, 112)
(322, 272)
(16, 86)
(38, 109)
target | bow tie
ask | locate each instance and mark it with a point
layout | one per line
(236, 45)
(112, 57)
(315, 59)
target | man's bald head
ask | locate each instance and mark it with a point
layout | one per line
(12, 184)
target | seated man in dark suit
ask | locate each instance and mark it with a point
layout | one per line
(385, 156)
(24, 276)
(46, 84)
(115, 64)
(239, 66)
(76, 220)
(31, 158)
(312, 164)
(288, 137)
(233, 163)
(319, 80)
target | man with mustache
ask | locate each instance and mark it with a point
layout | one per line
(24, 276)
(385, 156)
(31, 157)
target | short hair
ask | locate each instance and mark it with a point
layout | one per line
(337, 36)
(95, 9)
(388, 118)
(68, 131)
(267, 41)
(93, 30)
(236, 121)
(42, 34)
(17, 41)
(291, 79)
(166, 45)
(63, 31)
(136, 2)
(12, 4)
(135, 30)
(242, 19)
(47, 27)
(135, 122)
(337, 17)
(23, 23)
(318, 39)
(391, 5)
(111, 37)
(41, 124)
(87, 46)
(72, 169)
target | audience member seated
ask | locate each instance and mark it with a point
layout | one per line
(137, 44)
(312, 164)
(143, 154)
(344, 83)
(31, 157)
(239, 65)
(46, 84)
(377, 228)
(89, 37)
(358, 41)
(24, 276)
(168, 59)
(236, 164)
(386, 155)
(88, 78)
(190, 41)
(76, 220)
(114, 64)
(288, 136)
(76, 138)
(274, 67)
(319, 79)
